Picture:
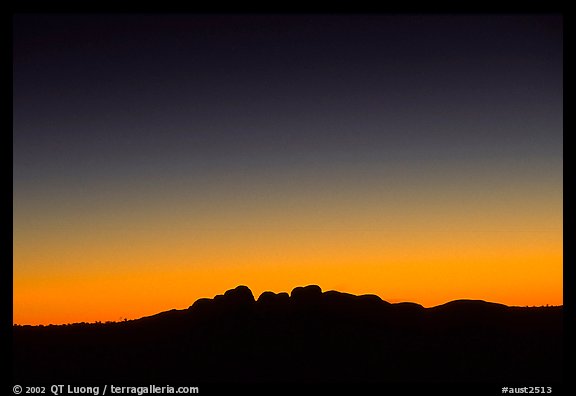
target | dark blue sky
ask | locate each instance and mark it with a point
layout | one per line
(92, 92)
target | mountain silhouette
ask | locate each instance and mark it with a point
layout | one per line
(307, 336)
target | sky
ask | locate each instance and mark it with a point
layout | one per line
(160, 158)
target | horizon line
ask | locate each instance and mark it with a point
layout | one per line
(392, 302)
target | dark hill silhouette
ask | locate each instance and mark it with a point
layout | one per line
(305, 336)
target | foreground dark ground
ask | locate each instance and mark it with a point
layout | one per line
(305, 336)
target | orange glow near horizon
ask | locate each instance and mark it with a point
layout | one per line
(514, 268)
(91, 297)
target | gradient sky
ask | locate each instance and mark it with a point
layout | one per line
(160, 158)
